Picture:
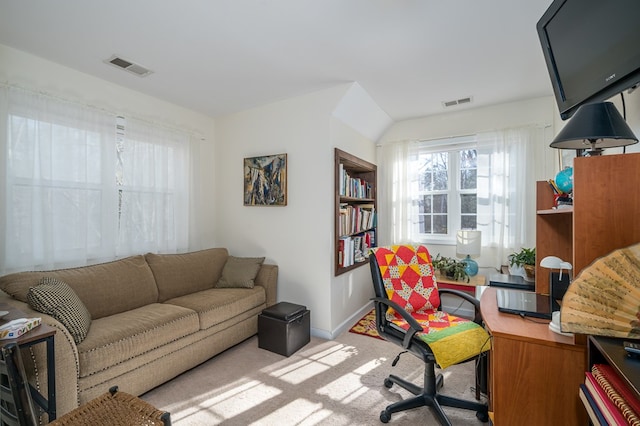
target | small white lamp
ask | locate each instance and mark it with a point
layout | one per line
(553, 262)
(469, 244)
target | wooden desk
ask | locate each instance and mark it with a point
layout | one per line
(534, 373)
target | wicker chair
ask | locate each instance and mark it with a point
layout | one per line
(115, 408)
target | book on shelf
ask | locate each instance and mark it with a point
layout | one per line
(353, 187)
(355, 219)
(603, 401)
(355, 249)
(617, 391)
(595, 415)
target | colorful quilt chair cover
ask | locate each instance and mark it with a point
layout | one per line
(408, 313)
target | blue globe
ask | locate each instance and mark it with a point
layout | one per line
(564, 180)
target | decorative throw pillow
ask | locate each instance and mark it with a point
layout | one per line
(54, 297)
(240, 272)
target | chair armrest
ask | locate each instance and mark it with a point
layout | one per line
(469, 298)
(414, 326)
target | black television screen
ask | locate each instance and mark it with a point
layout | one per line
(592, 49)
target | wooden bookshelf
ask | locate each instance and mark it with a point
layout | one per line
(604, 217)
(356, 211)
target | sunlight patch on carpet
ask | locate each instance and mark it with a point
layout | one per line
(298, 412)
(297, 372)
(346, 387)
(226, 406)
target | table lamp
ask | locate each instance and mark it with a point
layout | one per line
(554, 262)
(593, 127)
(469, 244)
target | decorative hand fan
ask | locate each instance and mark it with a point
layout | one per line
(604, 299)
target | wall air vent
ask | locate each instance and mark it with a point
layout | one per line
(455, 102)
(127, 65)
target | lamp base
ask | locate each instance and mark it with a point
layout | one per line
(471, 267)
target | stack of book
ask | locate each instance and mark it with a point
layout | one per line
(355, 249)
(608, 399)
(354, 187)
(355, 219)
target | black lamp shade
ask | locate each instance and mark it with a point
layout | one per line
(596, 125)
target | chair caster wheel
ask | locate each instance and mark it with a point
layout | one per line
(385, 417)
(483, 416)
(388, 383)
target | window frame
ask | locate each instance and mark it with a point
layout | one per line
(454, 214)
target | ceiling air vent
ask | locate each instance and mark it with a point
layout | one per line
(127, 65)
(455, 102)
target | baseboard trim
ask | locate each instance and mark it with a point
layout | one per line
(344, 326)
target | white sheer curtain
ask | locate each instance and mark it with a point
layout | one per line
(59, 186)
(395, 202)
(506, 190)
(509, 162)
(153, 177)
(81, 187)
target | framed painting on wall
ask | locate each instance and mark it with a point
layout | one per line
(265, 180)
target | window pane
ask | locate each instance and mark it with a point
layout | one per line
(440, 203)
(440, 224)
(468, 179)
(440, 181)
(425, 224)
(468, 159)
(468, 169)
(468, 203)
(426, 181)
(425, 204)
(468, 222)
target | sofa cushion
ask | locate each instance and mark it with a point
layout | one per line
(180, 274)
(240, 272)
(54, 297)
(120, 337)
(105, 288)
(219, 304)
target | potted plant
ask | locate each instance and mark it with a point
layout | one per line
(525, 258)
(450, 268)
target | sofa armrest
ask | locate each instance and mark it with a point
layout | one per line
(268, 278)
(66, 359)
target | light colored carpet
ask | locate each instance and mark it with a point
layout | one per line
(336, 382)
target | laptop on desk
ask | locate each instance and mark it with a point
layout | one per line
(525, 303)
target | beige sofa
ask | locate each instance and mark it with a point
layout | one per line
(152, 318)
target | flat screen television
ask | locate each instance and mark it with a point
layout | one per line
(592, 49)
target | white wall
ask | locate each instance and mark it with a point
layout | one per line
(296, 237)
(34, 73)
(299, 238)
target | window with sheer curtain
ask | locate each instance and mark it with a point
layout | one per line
(83, 186)
(484, 181)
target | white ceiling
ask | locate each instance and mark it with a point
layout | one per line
(223, 56)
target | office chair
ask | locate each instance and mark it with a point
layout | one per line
(407, 305)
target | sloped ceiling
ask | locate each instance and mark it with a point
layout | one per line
(223, 56)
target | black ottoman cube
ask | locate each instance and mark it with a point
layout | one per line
(284, 328)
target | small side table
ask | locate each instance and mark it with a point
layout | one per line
(41, 334)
